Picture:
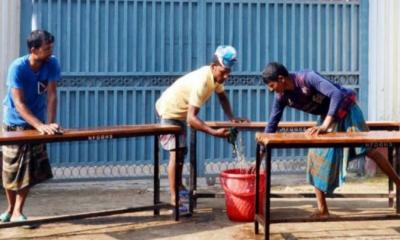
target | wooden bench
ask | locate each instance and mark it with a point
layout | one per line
(93, 134)
(389, 139)
(285, 127)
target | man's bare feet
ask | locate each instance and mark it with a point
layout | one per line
(172, 201)
(317, 214)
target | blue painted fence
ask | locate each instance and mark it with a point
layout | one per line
(118, 56)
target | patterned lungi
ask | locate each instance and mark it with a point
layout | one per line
(327, 167)
(24, 165)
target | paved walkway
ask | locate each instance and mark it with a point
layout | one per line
(209, 222)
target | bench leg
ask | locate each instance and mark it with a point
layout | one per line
(390, 182)
(257, 203)
(193, 170)
(267, 206)
(156, 177)
(177, 160)
(397, 168)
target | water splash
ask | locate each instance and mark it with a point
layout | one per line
(236, 140)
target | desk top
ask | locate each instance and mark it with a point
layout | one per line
(256, 125)
(378, 125)
(108, 132)
(295, 139)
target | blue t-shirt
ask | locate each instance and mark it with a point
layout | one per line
(313, 94)
(34, 85)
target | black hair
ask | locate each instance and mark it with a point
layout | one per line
(39, 37)
(272, 71)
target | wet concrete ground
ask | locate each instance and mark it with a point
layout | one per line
(209, 221)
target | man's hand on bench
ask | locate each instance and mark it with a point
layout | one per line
(49, 129)
(314, 131)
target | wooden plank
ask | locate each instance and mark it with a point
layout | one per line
(377, 125)
(294, 139)
(260, 125)
(110, 132)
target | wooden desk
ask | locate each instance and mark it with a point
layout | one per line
(93, 134)
(259, 126)
(300, 140)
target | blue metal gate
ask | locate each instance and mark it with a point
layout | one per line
(118, 55)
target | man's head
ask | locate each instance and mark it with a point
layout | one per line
(275, 76)
(40, 44)
(224, 59)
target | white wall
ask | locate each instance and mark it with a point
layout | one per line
(9, 39)
(384, 60)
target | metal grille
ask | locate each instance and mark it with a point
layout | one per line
(118, 55)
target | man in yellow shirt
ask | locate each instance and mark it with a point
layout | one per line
(180, 103)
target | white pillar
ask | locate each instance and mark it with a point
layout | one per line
(384, 60)
(9, 40)
(34, 20)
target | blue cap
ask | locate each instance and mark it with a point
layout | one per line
(226, 55)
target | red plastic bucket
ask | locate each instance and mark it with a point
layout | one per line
(240, 192)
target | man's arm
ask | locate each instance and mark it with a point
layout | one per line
(196, 123)
(223, 100)
(278, 106)
(52, 101)
(328, 89)
(19, 101)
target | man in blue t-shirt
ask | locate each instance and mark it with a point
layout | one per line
(31, 97)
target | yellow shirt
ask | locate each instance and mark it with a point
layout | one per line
(193, 89)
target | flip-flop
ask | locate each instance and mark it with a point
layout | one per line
(183, 208)
(21, 218)
(5, 217)
(184, 194)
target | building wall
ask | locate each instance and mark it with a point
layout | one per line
(9, 38)
(384, 60)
